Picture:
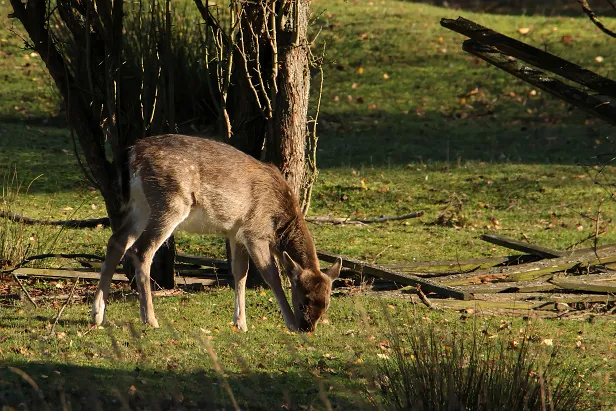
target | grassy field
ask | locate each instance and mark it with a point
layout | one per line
(408, 123)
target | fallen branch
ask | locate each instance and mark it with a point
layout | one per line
(66, 303)
(343, 220)
(88, 223)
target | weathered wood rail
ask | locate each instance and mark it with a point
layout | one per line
(596, 96)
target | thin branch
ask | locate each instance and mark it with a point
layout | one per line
(66, 303)
(242, 53)
(593, 17)
(312, 140)
(597, 227)
(270, 109)
(24, 289)
(210, 20)
(342, 220)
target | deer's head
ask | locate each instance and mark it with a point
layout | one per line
(310, 291)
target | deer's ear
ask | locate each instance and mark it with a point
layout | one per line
(334, 271)
(293, 269)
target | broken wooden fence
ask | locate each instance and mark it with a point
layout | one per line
(592, 92)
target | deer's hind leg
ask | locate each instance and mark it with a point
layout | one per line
(159, 228)
(117, 246)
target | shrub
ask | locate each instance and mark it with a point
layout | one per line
(431, 370)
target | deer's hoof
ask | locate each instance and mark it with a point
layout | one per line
(152, 322)
(98, 312)
(241, 326)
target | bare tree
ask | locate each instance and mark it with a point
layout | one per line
(263, 64)
(82, 43)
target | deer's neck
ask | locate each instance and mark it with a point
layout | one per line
(295, 239)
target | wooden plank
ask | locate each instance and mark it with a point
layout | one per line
(402, 278)
(522, 246)
(440, 268)
(430, 269)
(532, 55)
(486, 304)
(202, 272)
(203, 281)
(536, 270)
(90, 275)
(578, 284)
(201, 261)
(510, 287)
(575, 96)
(59, 273)
(543, 300)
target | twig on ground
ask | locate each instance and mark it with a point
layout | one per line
(66, 303)
(342, 220)
(425, 299)
(381, 253)
(24, 290)
(87, 223)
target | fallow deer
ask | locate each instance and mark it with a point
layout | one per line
(204, 186)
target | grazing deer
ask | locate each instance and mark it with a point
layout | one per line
(203, 186)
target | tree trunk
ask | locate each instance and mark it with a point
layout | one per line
(287, 145)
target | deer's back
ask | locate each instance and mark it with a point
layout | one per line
(226, 189)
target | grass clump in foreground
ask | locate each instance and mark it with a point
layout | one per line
(435, 369)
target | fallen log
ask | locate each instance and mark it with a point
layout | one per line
(522, 246)
(402, 278)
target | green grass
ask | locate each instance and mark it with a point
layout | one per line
(419, 138)
(263, 365)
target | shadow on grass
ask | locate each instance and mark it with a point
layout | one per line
(522, 7)
(31, 385)
(382, 138)
(357, 137)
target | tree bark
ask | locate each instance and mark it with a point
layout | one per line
(288, 141)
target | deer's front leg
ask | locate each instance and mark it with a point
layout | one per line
(239, 262)
(264, 260)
